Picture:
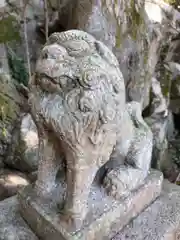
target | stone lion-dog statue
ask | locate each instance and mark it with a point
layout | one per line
(78, 102)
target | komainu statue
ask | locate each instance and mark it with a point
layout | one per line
(77, 99)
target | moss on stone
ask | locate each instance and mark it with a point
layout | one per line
(171, 1)
(118, 36)
(21, 147)
(9, 29)
(6, 108)
(146, 58)
(137, 19)
(166, 84)
(134, 20)
(174, 3)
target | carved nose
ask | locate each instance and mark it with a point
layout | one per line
(49, 55)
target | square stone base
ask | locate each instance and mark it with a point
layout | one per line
(159, 221)
(106, 216)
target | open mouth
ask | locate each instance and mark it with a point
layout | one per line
(47, 83)
(60, 85)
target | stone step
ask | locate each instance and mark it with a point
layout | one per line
(160, 221)
(12, 226)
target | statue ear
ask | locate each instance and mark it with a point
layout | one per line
(105, 53)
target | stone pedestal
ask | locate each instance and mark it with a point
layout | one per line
(106, 217)
(159, 221)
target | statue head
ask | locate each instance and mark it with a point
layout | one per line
(78, 86)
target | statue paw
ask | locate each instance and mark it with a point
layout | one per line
(114, 186)
(73, 218)
(121, 181)
(109, 187)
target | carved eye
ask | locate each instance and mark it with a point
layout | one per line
(54, 51)
(92, 78)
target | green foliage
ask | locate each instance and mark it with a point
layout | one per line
(9, 29)
(17, 67)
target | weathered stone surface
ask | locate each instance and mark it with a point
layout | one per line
(23, 150)
(174, 151)
(33, 176)
(4, 67)
(10, 182)
(29, 145)
(9, 112)
(158, 121)
(174, 67)
(135, 31)
(77, 100)
(12, 226)
(160, 221)
(171, 130)
(105, 218)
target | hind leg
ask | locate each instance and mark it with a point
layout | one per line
(120, 181)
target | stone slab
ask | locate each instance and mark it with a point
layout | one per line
(105, 218)
(12, 225)
(160, 221)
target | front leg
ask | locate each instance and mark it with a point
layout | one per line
(49, 164)
(79, 181)
(83, 162)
